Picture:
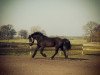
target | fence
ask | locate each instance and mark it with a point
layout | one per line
(24, 47)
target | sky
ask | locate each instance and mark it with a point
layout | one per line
(56, 17)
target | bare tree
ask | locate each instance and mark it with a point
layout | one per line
(37, 29)
(97, 33)
(89, 30)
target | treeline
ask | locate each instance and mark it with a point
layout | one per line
(8, 32)
(92, 32)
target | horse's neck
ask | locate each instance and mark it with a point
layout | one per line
(39, 39)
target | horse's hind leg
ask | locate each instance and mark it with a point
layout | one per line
(41, 51)
(56, 51)
(66, 56)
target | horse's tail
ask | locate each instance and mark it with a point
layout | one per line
(66, 44)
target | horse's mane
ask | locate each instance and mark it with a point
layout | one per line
(38, 33)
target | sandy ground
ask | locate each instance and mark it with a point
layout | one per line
(25, 65)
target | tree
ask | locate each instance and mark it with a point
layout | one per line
(7, 32)
(97, 33)
(37, 29)
(12, 33)
(89, 30)
(23, 33)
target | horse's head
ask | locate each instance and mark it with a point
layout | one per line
(37, 35)
(31, 40)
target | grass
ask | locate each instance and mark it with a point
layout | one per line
(16, 40)
(78, 41)
(74, 41)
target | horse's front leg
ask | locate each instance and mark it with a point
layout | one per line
(56, 51)
(35, 51)
(41, 51)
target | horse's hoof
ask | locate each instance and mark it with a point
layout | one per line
(51, 58)
(66, 58)
(45, 55)
(32, 56)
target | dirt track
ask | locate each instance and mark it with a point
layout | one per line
(25, 65)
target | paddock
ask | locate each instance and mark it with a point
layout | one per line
(15, 59)
(25, 65)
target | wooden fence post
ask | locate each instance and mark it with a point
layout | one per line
(82, 50)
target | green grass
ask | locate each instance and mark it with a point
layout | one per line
(78, 41)
(15, 40)
(74, 41)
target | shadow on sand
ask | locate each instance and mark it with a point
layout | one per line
(94, 54)
(77, 59)
(62, 58)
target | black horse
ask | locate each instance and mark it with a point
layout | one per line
(44, 41)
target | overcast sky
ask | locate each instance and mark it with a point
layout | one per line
(56, 17)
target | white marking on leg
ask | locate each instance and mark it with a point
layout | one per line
(60, 53)
(30, 53)
(30, 47)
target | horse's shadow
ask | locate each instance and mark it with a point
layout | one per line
(77, 59)
(61, 58)
(94, 54)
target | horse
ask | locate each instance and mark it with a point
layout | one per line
(45, 41)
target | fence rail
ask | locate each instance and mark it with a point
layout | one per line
(25, 46)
